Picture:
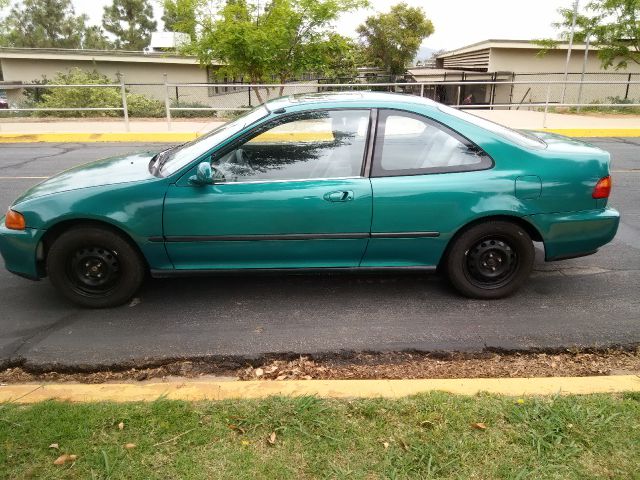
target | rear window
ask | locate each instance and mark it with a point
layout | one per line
(521, 138)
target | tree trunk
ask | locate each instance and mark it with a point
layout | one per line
(282, 82)
(256, 90)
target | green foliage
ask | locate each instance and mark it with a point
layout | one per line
(49, 24)
(283, 40)
(190, 113)
(131, 22)
(611, 110)
(392, 40)
(80, 97)
(426, 436)
(180, 16)
(139, 105)
(613, 26)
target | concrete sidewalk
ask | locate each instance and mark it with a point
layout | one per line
(150, 130)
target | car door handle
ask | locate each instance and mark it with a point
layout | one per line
(342, 196)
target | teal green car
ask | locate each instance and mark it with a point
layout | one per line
(323, 182)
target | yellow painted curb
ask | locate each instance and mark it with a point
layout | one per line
(193, 390)
(168, 137)
(149, 137)
(594, 132)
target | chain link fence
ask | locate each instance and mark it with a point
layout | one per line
(548, 92)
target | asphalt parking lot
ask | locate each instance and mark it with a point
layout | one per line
(590, 301)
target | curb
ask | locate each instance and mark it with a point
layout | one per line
(168, 137)
(593, 132)
(149, 137)
(196, 390)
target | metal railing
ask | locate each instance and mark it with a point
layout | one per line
(172, 99)
(121, 86)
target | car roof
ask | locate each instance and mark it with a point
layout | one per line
(374, 98)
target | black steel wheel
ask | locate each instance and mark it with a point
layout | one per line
(93, 270)
(490, 260)
(95, 267)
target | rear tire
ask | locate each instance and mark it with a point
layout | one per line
(490, 260)
(95, 267)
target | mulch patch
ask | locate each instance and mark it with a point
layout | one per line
(388, 365)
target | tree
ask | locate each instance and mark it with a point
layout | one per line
(613, 27)
(49, 24)
(391, 40)
(131, 22)
(180, 16)
(94, 38)
(283, 40)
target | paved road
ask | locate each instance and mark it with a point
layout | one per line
(588, 301)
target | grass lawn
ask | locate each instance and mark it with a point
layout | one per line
(435, 435)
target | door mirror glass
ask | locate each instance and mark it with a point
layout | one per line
(203, 176)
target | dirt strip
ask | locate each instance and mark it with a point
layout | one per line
(388, 365)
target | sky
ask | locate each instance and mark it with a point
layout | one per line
(457, 22)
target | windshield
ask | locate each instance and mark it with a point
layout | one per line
(521, 138)
(174, 159)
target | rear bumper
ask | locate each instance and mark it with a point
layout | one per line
(19, 250)
(575, 234)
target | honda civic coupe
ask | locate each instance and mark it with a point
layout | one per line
(323, 183)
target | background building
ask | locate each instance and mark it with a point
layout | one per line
(519, 60)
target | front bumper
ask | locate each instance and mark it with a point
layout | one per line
(19, 248)
(575, 234)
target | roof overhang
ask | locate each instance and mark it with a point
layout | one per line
(117, 56)
(508, 44)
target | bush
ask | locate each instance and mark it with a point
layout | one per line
(81, 97)
(144, 107)
(86, 97)
(192, 113)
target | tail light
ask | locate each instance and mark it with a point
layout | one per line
(602, 188)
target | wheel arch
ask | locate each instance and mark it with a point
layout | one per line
(528, 227)
(54, 231)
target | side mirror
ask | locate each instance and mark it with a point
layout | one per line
(203, 176)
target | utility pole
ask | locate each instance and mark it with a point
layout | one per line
(576, 4)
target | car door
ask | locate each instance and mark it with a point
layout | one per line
(290, 194)
(426, 181)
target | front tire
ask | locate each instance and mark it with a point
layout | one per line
(490, 260)
(95, 267)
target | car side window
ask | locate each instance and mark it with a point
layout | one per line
(409, 144)
(320, 144)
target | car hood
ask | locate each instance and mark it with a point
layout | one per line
(109, 171)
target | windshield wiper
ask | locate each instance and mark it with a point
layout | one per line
(160, 158)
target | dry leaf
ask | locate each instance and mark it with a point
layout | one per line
(62, 459)
(479, 426)
(385, 445)
(403, 444)
(129, 446)
(54, 445)
(272, 438)
(236, 428)
(121, 426)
